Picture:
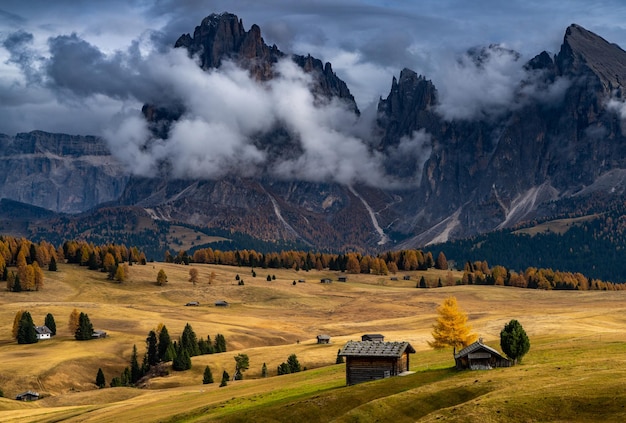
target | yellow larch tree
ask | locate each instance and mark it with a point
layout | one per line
(451, 328)
(74, 321)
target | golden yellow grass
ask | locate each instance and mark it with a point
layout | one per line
(268, 321)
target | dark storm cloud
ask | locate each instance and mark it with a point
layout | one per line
(82, 69)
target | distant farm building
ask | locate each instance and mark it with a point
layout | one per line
(372, 360)
(394, 278)
(326, 280)
(27, 396)
(221, 303)
(323, 339)
(98, 334)
(192, 304)
(342, 279)
(301, 280)
(479, 356)
(406, 277)
(373, 337)
(43, 332)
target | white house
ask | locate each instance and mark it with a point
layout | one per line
(43, 332)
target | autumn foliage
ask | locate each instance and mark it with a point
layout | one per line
(451, 328)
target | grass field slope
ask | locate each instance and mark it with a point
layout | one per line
(575, 369)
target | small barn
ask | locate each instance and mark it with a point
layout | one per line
(326, 280)
(373, 337)
(479, 356)
(221, 303)
(323, 339)
(43, 332)
(373, 360)
(342, 279)
(27, 396)
(406, 277)
(98, 334)
(193, 304)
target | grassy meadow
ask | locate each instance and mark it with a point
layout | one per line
(575, 370)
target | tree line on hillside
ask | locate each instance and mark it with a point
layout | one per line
(28, 259)
(382, 264)
(595, 247)
(479, 273)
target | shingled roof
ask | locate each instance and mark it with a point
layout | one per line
(474, 347)
(375, 349)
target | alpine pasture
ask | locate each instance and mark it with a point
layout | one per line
(574, 371)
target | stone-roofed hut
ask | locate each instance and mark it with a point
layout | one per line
(479, 356)
(373, 337)
(323, 339)
(27, 396)
(372, 360)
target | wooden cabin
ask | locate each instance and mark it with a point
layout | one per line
(373, 337)
(43, 332)
(27, 396)
(323, 339)
(326, 280)
(372, 360)
(479, 356)
(99, 334)
(342, 279)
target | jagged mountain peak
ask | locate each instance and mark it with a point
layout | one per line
(582, 48)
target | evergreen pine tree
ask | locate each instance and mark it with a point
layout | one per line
(51, 324)
(189, 341)
(220, 343)
(423, 283)
(208, 376)
(52, 267)
(293, 363)
(152, 349)
(135, 370)
(164, 343)
(100, 382)
(514, 341)
(225, 378)
(339, 358)
(85, 328)
(17, 286)
(26, 333)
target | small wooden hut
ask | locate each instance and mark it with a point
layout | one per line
(479, 356)
(323, 339)
(372, 360)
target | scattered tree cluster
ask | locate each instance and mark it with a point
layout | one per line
(27, 259)
(161, 349)
(111, 259)
(292, 365)
(24, 330)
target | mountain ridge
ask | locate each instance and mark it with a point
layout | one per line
(467, 176)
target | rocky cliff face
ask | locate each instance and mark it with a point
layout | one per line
(471, 175)
(484, 175)
(59, 172)
(222, 37)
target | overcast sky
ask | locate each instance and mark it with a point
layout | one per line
(44, 45)
(86, 67)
